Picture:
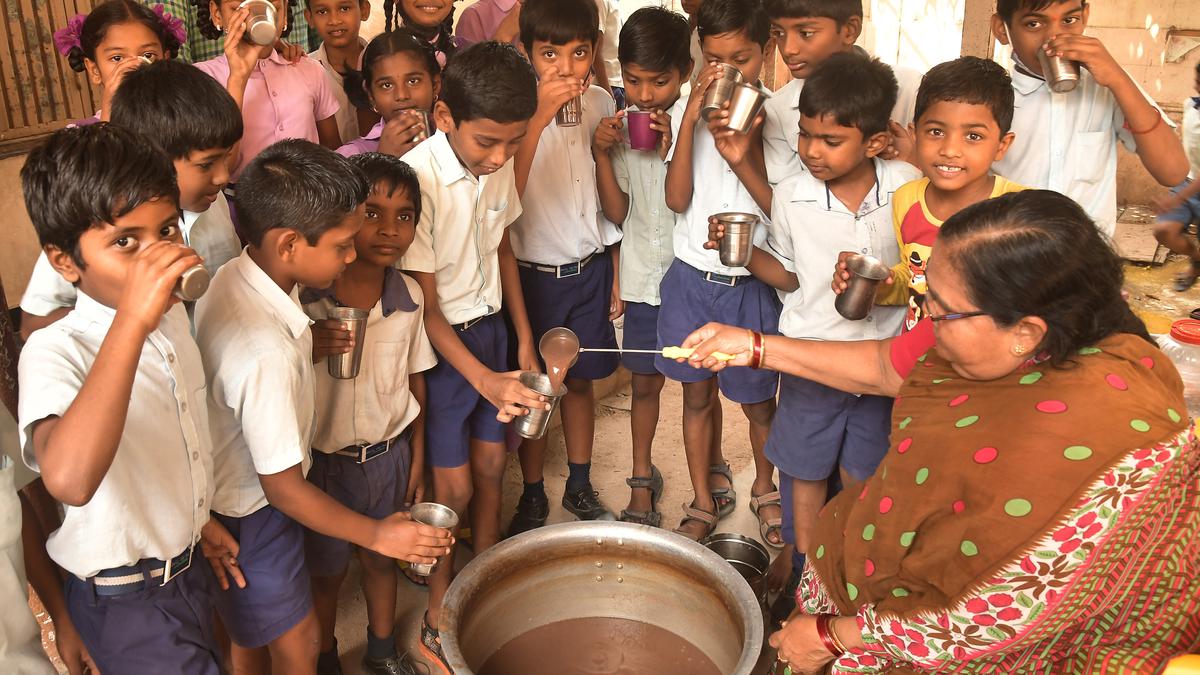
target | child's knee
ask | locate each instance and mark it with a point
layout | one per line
(646, 387)
(698, 397)
(1165, 230)
(455, 490)
(578, 387)
(488, 466)
(376, 565)
(761, 413)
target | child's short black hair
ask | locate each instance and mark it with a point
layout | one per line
(858, 91)
(390, 173)
(840, 11)
(972, 80)
(656, 39)
(82, 177)
(558, 22)
(489, 80)
(1007, 9)
(298, 185)
(178, 108)
(717, 17)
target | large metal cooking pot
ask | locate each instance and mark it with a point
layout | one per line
(601, 569)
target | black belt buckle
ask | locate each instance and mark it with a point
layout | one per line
(177, 565)
(569, 270)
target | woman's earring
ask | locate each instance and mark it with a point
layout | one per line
(1019, 349)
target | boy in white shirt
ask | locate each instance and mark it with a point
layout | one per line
(807, 32)
(463, 261)
(337, 22)
(841, 203)
(369, 446)
(301, 207)
(1068, 142)
(698, 288)
(655, 61)
(565, 248)
(197, 124)
(113, 414)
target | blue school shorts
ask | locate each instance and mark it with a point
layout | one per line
(819, 428)
(163, 629)
(454, 411)
(1186, 213)
(277, 593)
(374, 489)
(689, 301)
(640, 332)
(581, 303)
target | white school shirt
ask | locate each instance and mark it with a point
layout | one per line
(610, 29)
(378, 404)
(1068, 143)
(155, 496)
(1191, 133)
(347, 114)
(258, 359)
(715, 189)
(209, 232)
(781, 130)
(20, 640)
(462, 222)
(561, 221)
(810, 226)
(647, 246)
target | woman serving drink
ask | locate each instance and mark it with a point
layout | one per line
(1037, 508)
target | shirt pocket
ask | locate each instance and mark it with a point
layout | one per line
(492, 229)
(389, 364)
(1092, 155)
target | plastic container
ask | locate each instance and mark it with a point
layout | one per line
(1182, 346)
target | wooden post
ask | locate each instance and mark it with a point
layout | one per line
(977, 28)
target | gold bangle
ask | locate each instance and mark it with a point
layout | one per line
(837, 641)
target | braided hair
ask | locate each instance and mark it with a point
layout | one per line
(209, 29)
(109, 14)
(441, 36)
(396, 41)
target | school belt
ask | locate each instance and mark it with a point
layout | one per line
(468, 323)
(723, 279)
(141, 575)
(572, 269)
(363, 453)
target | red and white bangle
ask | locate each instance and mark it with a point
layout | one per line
(828, 637)
(756, 356)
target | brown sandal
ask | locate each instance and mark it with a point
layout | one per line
(726, 497)
(706, 518)
(768, 525)
(654, 484)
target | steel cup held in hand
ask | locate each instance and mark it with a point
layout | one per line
(261, 26)
(641, 136)
(427, 126)
(192, 283)
(720, 90)
(735, 246)
(571, 114)
(866, 273)
(1061, 75)
(345, 366)
(434, 515)
(533, 424)
(744, 106)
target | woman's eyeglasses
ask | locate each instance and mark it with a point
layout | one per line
(948, 316)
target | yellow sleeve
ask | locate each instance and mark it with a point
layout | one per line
(895, 293)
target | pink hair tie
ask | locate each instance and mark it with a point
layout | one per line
(171, 24)
(68, 38)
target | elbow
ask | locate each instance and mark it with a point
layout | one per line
(675, 203)
(67, 489)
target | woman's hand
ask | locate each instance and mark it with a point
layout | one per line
(716, 337)
(798, 645)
